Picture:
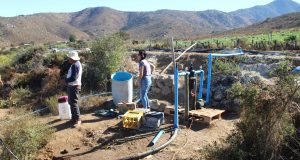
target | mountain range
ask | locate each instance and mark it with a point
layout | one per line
(96, 22)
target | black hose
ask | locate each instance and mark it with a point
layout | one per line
(144, 154)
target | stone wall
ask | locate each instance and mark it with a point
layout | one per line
(163, 89)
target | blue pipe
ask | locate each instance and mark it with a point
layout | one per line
(227, 55)
(210, 57)
(176, 98)
(209, 70)
(155, 139)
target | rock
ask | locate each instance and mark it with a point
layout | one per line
(165, 91)
(232, 79)
(64, 151)
(159, 83)
(168, 82)
(236, 107)
(218, 96)
(155, 90)
(154, 104)
(215, 104)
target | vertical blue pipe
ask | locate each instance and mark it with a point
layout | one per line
(201, 85)
(210, 57)
(176, 98)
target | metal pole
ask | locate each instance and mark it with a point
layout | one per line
(187, 103)
(201, 85)
(174, 58)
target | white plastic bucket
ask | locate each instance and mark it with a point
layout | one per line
(122, 87)
(64, 108)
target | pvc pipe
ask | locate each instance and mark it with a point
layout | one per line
(188, 73)
(176, 99)
(227, 55)
(155, 139)
(141, 155)
(209, 70)
(210, 57)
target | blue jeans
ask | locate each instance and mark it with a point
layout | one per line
(73, 95)
(144, 89)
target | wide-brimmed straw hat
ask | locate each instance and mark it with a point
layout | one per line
(73, 55)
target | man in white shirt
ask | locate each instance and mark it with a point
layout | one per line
(73, 80)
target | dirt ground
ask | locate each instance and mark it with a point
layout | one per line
(102, 138)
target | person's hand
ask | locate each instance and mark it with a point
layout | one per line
(1, 83)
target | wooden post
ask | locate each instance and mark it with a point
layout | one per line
(174, 60)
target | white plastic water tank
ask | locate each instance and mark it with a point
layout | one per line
(122, 87)
(64, 109)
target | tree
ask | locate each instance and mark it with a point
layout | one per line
(72, 38)
(107, 56)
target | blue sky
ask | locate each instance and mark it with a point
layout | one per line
(10, 8)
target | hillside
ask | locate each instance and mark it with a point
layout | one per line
(274, 9)
(99, 21)
(288, 21)
(38, 28)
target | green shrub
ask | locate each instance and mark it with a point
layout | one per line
(55, 59)
(72, 38)
(20, 93)
(225, 67)
(25, 137)
(236, 90)
(52, 103)
(4, 104)
(265, 121)
(31, 59)
(108, 55)
(7, 60)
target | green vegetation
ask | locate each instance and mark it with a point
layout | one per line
(236, 90)
(279, 40)
(19, 93)
(107, 56)
(7, 59)
(51, 102)
(266, 129)
(225, 67)
(72, 38)
(25, 136)
(55, 59)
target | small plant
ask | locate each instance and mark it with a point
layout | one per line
(4, 104)
(7, 59)
(225, 67)
(236, 90)
(24, 137)
(52, 103)
(20, 93)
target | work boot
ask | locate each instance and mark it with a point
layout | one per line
(78, 122)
